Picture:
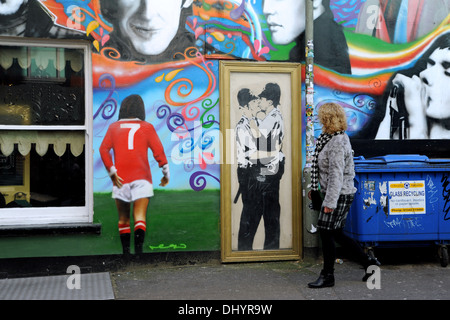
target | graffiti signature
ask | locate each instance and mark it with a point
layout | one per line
(170, 246)
(445, 195)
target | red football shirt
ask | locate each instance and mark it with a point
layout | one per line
(130, 139)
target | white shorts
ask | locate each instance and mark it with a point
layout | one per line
(132, 191)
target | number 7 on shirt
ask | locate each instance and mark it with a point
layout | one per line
(134, 127)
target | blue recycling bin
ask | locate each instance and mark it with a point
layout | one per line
(402, 200)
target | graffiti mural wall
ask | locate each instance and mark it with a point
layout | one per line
(386, 62)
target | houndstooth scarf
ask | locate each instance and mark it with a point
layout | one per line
(320, 143)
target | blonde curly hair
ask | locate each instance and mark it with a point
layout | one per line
(332, 117)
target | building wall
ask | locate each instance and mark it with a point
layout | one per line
(358, 51)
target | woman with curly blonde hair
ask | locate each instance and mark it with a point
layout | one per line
(333, 169)
(332, 117)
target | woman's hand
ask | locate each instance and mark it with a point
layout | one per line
(327, 210)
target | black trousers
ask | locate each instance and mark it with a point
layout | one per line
(260, 199)
(329, 239)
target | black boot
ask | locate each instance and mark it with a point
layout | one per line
(326, 279)
(139, 236)
(125, 240)
(371, 261)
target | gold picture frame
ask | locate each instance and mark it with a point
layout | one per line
(258, 184)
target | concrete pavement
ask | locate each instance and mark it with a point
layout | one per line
(404, 275)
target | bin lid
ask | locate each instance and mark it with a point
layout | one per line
(401, 162)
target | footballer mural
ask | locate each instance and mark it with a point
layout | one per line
(167, 53)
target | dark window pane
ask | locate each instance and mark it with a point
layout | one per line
(57, 181)
(41, 86)
(11, 169)
(43, 181)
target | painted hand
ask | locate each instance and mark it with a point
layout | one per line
(116, 180)
(164, 181)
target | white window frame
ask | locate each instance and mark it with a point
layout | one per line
(58, 215)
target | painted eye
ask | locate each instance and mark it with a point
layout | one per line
(430, 63)
(446, 66)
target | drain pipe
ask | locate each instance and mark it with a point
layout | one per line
(310, 235)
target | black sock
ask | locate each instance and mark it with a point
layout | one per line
(139, 236)
(125, 239)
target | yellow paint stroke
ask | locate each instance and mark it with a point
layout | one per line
(172, 74)
(218, 35)
(96, 45)
(204, 16)
(160, 78)
(91, 27)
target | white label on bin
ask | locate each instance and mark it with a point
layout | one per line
(407, 197)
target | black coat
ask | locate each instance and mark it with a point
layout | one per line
(330, 45)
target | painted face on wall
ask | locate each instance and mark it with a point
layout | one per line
(265, 104)
(436, 83)
(253, 106)
(285, 19)
(8, 7)
(149, 25)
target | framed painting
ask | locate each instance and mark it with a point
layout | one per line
(260, 127)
